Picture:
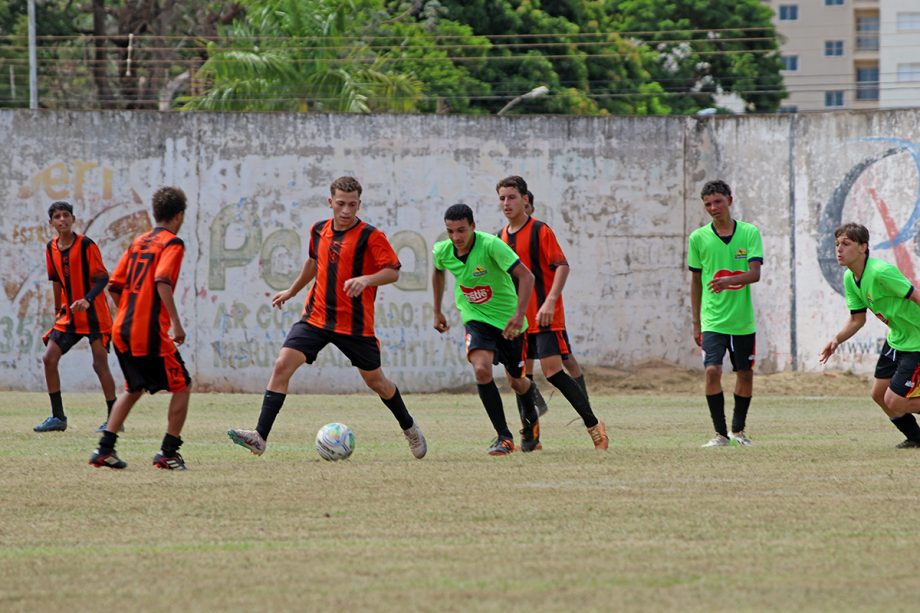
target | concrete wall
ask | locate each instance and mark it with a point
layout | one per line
(621, 193)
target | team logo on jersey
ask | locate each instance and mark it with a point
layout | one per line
(479, 271)
(881, 317)
(741, 254)
(729, 273)
(480, 294)
(335, 250)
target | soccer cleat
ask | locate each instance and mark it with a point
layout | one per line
(169, 462)
(738, 439)
(417, 443)
(540, 402)
(718, 441)
(52, 424)
(250, 439)
(105, 425)
(907, 444)
(109, 460)
(502, 445)
(599, 436)
(530, 437)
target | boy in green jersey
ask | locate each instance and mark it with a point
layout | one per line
(485, 270)
(876, 285)
(724, 258)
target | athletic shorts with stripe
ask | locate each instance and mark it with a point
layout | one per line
(510, 353)
(887, 363)
(905, 382)
(547, 344)
(740, 347)
(154, 373)
(66, 340)
(362, 351)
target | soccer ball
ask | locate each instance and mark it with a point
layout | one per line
(335, 442)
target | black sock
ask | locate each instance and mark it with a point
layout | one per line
(908, 425)
(580, 380)
(492, 401)
(527, 406)
(271, 406)
(575, 396)
(170, 445)
(398, 408)
(109, 404)
(716, 404)
(57, 405)
(107, 442)
(739, 417)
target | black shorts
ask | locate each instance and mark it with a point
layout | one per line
(905, 382)
(887, 363)
(154, 373)
(548, 344)
(362, 351)
(66, 340)
(510, 353)
(740, 347)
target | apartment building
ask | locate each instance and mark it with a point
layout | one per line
(849, 54)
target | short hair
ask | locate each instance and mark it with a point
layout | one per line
(168, 202)
(716, 187)
(60, 205)
(854, 232)
(514, 181)
(530, 197)
(458, 212)
(345, 184)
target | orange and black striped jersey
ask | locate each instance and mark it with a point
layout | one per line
(77, 269)
(141, 322)
(536, 245)
(341, 255)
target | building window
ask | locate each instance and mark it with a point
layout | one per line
(833, 2)
(789, 109)
(908, 72)
(867, 32)
(788, 12)
(833, 98)
(867, 83)
(908, 21)
(833, 47)
(790, 62)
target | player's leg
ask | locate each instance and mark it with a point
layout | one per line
(57, 421)
(885, 369)
(714, 347)
(302, 345)
(742, 354)
(105, 452)
(481, 361)
(538, 399)
(104, 374)
(390, 396)
(572, 367)
(903, 398)
(511, 354)
(178, 382)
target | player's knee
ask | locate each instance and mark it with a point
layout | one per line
(100, 367)
(482, 373)
(713, 371)
(50, 360)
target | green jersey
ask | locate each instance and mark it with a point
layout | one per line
(730, 311)
(485, 291)
(885, 291)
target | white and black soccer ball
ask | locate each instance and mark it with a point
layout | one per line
(335, 442)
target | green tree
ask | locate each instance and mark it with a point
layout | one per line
(706, 47)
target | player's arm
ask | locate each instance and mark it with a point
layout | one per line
(165, 292)
(437, 288)
(83, 304)
(857, 320)
(307, 274)
(548, 308)
(57, 289)
(751, 276)
(524, 279)
(696, 299)
(354, 286)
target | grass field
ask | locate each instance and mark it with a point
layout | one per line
(817, 515)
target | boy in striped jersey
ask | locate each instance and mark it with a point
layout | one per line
(547, 338)
(349, 259)
(143, 285)
(78, 278)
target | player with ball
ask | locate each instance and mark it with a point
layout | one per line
(349, 259)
